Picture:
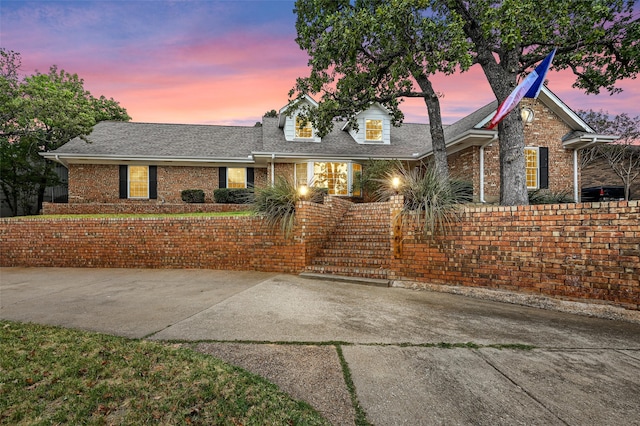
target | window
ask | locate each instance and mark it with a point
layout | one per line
(537, 167)
(531, 164)
(236, 177)
(373, 130)
(139, 182)
(303, 129)
(356, 186)
(301, 175)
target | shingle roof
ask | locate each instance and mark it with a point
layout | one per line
(128, 139)
(405, 140)
(187, 141)
(469, 122)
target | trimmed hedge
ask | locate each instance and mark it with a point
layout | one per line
(233, 195)
(192, 196)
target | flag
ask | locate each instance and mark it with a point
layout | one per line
(528, 88)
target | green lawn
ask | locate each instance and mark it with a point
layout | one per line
(50, 375)
(135, 215)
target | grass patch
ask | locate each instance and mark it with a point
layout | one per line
(50, 375)
(135, 215)
(361, 416)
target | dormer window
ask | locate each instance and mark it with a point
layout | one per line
(373, 130)
(304, 130)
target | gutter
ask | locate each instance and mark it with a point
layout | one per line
(322, 156)
(63, 158)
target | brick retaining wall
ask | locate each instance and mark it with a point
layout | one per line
(234, 243)
(575, 251)
(585, 251)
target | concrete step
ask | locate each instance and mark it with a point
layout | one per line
(346, 279)
(350, 261)
(348, 271)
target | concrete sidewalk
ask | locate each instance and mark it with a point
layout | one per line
(583, 371)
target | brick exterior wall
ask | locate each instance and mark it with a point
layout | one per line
(99, 183)
(465, 165)
(588, 252)
(546, 130)
(93, 183)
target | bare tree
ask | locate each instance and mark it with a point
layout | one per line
(623, 155)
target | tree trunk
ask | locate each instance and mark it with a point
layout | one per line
(513, 179)
(435, 125)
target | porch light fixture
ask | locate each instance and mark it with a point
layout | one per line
(395, 183)
(527, 115)
(303, 190)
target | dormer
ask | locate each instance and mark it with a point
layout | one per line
(295, 128)
(374, 126)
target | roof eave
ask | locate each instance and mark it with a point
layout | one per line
(473, 137)
(74, 157)
(587, 140)
(324, 156)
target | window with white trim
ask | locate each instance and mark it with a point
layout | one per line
(337, 178)
(236, 177)
(301, 174)
(304, 129)
(532, 167)
(373, 130)
(138, 182)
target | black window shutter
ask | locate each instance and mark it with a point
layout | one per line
(544, 167)
(153, 182)
(222, 177)
(124, 172)
(250, 177)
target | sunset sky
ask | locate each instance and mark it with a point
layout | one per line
(211, 62)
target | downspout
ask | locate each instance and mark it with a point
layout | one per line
(273, 170)
(493, 139)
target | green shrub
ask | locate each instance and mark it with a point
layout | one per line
(373, 172)
(277, 203)
(544, 196)
(192, 196)
(233, 195)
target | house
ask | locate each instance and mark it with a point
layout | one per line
(152, 163)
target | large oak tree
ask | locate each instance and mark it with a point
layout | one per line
(367, 50)
(380, 51)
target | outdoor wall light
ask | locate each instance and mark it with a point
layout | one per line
(395, 183)
(527, 115)
(303, 190)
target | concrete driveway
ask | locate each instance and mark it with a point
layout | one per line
(406, 350)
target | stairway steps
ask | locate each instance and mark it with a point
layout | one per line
(352, 261)
(359, 247)
(376, 273)
(374, 252)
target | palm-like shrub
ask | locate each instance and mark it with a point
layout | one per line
(431, 202)
(277, 203)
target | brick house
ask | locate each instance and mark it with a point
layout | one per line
(129, 162)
